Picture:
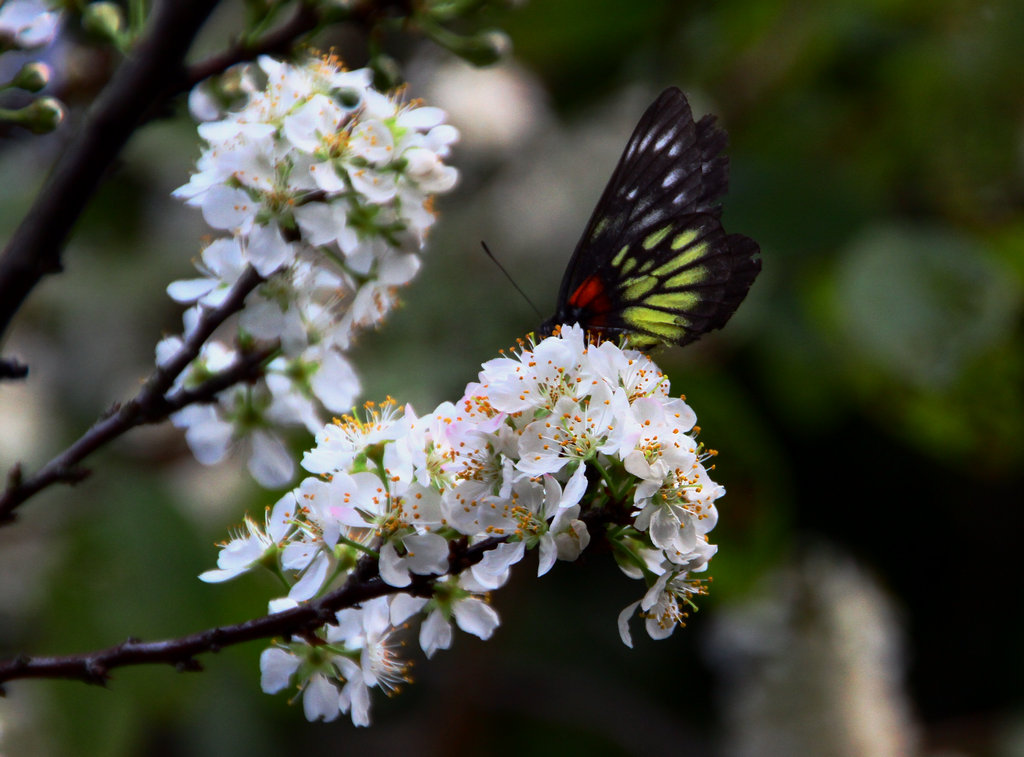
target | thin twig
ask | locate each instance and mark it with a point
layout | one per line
(280, 41)
(152, 404)
(142, 79)
(363, 584)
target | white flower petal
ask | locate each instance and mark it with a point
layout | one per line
(276, 669)
(624, 617)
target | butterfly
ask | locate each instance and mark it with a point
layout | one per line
(654, 262)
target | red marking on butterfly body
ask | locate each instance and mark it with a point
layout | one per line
(592, 297)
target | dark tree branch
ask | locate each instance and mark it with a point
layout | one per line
(284, 39)
(279, 41)
(363, 584)
(152, 404)
(144, 78)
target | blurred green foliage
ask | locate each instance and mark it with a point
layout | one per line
(870, 391)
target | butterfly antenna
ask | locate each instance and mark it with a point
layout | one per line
(511, 280)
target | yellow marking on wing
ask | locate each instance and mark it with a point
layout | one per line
(636, 287)
(673, 300)
(654, 239)
(683, 259)
(640, 341)
(598, 228)
(620, 255)
(683, 239)
(687, 278)
(665, 325)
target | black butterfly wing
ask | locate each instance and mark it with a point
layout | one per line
(654, 260)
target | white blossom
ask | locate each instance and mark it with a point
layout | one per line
(548, 436)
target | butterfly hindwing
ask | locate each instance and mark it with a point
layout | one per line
(654, 260)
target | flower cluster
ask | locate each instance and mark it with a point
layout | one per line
(323, 186)
(559, 441)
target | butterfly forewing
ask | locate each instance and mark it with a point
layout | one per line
(654, 260)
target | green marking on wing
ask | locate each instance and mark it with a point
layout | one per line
(684, 259)
(673, 300)
(654, 238)
(684, 239)
(689, 277)
(620, 256)
(664, 325)
(635, 288)
(598, 228)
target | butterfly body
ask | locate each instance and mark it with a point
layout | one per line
(654, 261)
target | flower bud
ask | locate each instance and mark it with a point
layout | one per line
(32, 77)
(103, 19)
(41, 116)
(483, 49)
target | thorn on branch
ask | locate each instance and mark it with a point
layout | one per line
(189, 665)
(14, 476)
(96, 673)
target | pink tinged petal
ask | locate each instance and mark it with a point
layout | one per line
(276, 669)
(476, 617)
(624, 618)
(435, 633)
(270, 463)
(226, 207)
(320, 699)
